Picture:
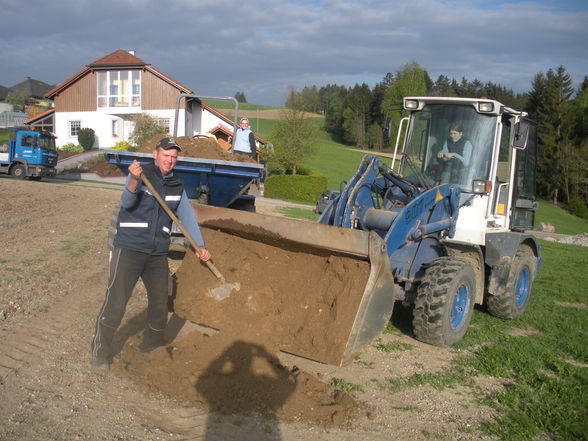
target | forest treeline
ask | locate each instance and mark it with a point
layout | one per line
(356, 116)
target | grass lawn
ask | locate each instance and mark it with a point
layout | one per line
(336, 161)
(540, 360)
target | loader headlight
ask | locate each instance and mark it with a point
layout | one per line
(411, 104)
(481, 187)
(485, 107)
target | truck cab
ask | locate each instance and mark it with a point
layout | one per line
(29, 154)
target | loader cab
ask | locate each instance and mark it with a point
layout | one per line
(481, 146)
(449, 144)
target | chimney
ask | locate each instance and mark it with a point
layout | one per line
(132, 52)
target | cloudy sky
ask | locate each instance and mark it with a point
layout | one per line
(261, 47)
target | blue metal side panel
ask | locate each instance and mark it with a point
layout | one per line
(226, 180)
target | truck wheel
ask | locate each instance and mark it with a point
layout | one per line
(18, 171)
(511, 301)
(445, 302)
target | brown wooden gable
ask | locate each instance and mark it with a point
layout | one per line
(78, 92)
(79, 96)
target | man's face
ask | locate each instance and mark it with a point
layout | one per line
(244, 124)
(165, 160)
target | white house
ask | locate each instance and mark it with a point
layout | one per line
(107, 93)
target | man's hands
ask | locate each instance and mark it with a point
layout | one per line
(203, 255)
(445, 155)
(135, 170)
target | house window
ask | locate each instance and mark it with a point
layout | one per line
(74, 128)
(119, 88)
(115, 128)
(164, 124)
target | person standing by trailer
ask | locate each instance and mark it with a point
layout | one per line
(140, 249)
(245, 140)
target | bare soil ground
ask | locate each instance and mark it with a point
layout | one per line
(53, 272)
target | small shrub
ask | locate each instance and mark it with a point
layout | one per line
(146, 127)
(578, 207)
(122, 146)
(86, 137)
(71, 147)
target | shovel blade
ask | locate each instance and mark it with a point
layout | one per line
(224, 290)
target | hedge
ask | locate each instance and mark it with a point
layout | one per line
(295, 187)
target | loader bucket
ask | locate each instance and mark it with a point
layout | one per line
(312, 290)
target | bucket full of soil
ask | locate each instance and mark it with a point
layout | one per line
(312, 290)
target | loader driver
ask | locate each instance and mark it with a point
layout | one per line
(140, 249)
(455, 153)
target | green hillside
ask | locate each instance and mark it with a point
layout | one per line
(231, 105)
(565, 223)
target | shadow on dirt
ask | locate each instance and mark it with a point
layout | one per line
(245, 378)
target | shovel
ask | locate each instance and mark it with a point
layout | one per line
(224, 289)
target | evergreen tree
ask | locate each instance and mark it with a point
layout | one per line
(442, 87)
(335, 97)
(549, 105)
(356, 114)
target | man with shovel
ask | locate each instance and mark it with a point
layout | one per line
(141, 247)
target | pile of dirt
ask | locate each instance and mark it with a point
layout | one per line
(229, 375)
(200, 147)
(288, 300)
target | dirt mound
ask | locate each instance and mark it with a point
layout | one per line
(201, 147)
(221, 373)
(297, 302)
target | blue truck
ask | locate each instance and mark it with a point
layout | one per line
(29, 154)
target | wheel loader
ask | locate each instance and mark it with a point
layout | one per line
(443, 227)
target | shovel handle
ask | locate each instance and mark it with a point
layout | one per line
(174, 218)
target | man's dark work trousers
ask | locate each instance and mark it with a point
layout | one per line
(125, 268)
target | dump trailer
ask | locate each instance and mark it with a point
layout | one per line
(208, 181)
(442, 227)
(29, 154)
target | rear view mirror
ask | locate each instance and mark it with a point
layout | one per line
(521, 135)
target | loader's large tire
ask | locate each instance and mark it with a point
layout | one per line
(445, 302)
(510, 301)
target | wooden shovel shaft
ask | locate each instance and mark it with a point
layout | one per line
(174, 218)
